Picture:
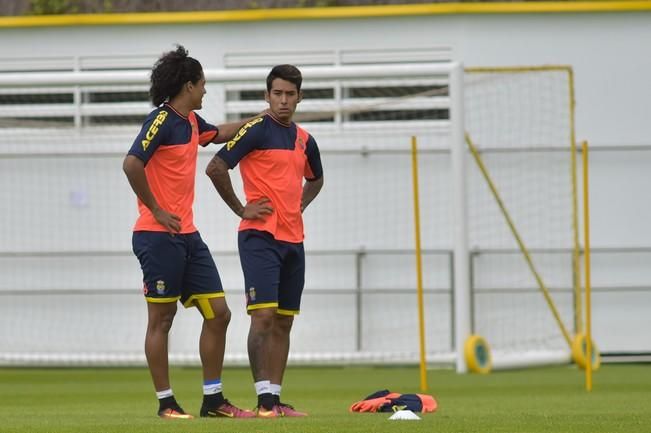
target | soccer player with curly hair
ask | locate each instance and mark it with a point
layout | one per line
(176, 263)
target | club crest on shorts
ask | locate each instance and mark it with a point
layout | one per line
(160, 287)
(252, 293)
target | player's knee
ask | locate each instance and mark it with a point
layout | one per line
(227, 316)
(263, 319)
(215, 310)
(162, 322)
(166, 323)
(222, 317)
(283, 324)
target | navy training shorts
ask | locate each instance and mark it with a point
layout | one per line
(176, 267)
(274, 272)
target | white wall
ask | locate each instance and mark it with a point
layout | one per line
(612, 73)
(604, 49)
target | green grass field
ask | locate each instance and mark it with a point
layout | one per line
(537, 400)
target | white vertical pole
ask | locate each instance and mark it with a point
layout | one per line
(338, 96)
(77, 97)
(458, 154)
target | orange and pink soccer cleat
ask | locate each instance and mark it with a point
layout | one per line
(170, 413)
(289, 411)
(226, 410)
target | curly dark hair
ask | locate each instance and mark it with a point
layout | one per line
(171, 72)
(286, 72)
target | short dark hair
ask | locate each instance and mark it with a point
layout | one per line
(285, 72)
(171, 72)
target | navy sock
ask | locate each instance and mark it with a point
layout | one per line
(168, 403)
(213, 401)
(266, 400)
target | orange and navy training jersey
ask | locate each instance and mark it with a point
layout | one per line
(274, 159)
(168, 145)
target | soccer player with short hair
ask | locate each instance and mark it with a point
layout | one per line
(176, 263)
(275, 155)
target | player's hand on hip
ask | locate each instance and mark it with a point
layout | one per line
(257, 209)
(170, 221)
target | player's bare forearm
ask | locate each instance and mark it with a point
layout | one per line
(217, 171)
(134, 168)
(310, 190)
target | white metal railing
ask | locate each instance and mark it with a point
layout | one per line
(89, 78)
(78, 84)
